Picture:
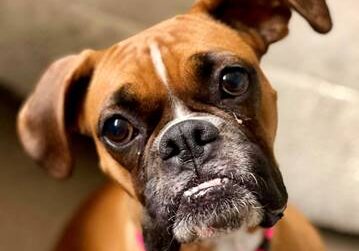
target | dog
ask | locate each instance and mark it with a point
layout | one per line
(184, 122)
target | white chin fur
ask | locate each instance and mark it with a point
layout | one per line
(190, 228)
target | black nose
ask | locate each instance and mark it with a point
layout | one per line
(188, 140)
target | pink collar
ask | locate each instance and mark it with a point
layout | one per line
(267, 239)
(140, 241)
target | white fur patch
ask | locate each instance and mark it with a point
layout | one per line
(241, 240)
(179, 109)
(157, 61)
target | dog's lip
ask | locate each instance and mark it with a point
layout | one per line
(204, 187)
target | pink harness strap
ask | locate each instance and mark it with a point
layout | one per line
(268, 236)
(269, 233)
(140, 241)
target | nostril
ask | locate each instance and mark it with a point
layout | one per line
(197, 135)
(206, 135)
(168, 149)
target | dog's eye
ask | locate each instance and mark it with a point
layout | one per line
(234, 80)
(117, 130)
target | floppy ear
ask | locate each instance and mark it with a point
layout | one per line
(48, 116)
(266, 18)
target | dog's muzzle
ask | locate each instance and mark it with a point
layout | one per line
(204, 173)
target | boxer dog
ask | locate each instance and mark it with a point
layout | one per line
(184, 122)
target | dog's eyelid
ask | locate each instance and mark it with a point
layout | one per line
(114, 111)
(239, 62)
(137, 132)
(210, 62)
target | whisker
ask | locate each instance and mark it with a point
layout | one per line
(254, 177)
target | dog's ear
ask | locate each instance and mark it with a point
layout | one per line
(266, 18)
(48, 116)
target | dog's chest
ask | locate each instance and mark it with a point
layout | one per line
(241, 240)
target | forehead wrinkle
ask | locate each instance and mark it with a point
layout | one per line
(129, 64)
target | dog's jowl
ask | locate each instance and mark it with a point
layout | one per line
(183, 119)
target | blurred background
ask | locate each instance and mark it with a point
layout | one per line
(317, 78)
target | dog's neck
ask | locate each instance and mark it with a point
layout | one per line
(159, 238)
(241, 240)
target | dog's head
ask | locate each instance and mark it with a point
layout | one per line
(181, 115)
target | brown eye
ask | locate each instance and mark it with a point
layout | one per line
(234, 80)
(117, 130)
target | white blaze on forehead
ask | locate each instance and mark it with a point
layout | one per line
(179, 109)
(157, 61)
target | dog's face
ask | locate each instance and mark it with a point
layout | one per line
(181, 115)
(194, 122)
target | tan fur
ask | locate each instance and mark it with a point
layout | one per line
(294, 232)
(108, 221)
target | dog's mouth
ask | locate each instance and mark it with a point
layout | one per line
(204, 188)
(213, 207)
